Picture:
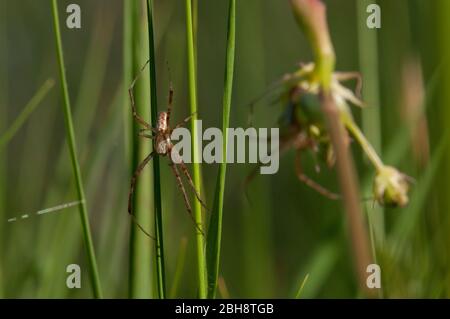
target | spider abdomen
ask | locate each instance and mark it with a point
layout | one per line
(161, 125)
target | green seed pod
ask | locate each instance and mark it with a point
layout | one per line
(391, 187)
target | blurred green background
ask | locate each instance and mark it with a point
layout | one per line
(286, 230)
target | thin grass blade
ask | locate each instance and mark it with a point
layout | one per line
(93, 270)
(192, 83)
(27, 111)
(215, 226)
(159, 244)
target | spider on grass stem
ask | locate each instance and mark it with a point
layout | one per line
(162, 145)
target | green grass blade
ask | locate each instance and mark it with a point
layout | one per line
(127, 75)
(27, 111)
(95, 280)
(88, 95)
(201, 265)
(159, 246)
(318, 268)
(215, 226)
(404, 226)
(179, 267)
(195, 29)
(3, 117)
(300, 289)
(93, 75)
(135, 55)
(371, 118)
(127, 119)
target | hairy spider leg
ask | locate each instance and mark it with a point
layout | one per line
(170, 102)
(141, 134)
(309, 182)
(136, 116)
(346, 76)
(277, 89)
(179, 161)
(184, 122)
(170, 97)
(191, 183)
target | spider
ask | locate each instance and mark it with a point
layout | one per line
(162, 146)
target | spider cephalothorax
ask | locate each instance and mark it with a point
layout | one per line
(162, 145)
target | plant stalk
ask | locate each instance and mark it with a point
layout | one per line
(371, 118)
(139, 274)
(215, 226)
(363, 142)
(311, 15)
(159, 242)
(201, 265)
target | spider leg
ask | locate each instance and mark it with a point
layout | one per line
(170, 102)
(154, 130)
(188, 176)
(170, 96)
(191, 183)
(184, 122)
(348, 95)
(146, 135)
(277, 88)
(185, 197)
(136, 174)
(139, 119)
(309, 182)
